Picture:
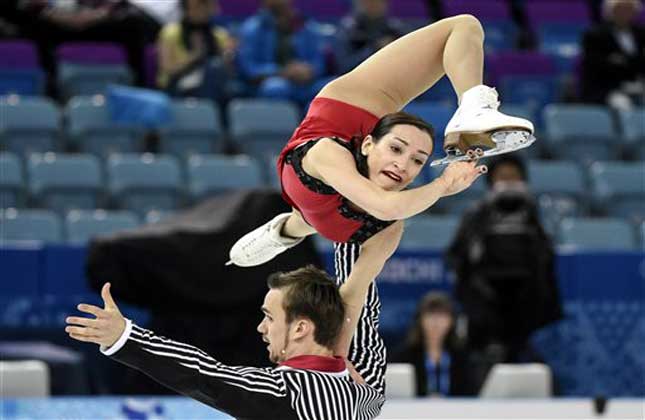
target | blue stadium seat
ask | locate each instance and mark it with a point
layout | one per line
(435, 232)
(195, 129)
(500, 35)
(213, 174)
(156, 216)
(30, 225)
(442, 91)
(580, 132)
(90, 129)
(561, 41)
(87, 79)
(560, 189)
(83, 225)
(144, 182)
(262, 128)
(437, 114)
(20, 132)
(533, 91)
(22, 82)
(271, 171)
(64, 182)
(619, 188)
(11, 181)
(633, 129)
(596, 234)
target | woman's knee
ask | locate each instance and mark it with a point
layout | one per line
(469, 23)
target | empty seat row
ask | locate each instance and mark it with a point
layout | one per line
(137, 182)
(566, 189)
(62, 182)
(581, 133)
(83, 68)
(438, 232)
(76, 228)
(258, 127)
(262, 127)
(423, 232)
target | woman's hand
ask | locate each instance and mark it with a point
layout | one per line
(460, 175)
(107, 326)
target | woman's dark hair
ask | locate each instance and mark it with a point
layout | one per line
(384, 126)
(432, 302)
(312, 294)
(506, 159)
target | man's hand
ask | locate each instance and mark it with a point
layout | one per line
(107, 326)
(460, 175)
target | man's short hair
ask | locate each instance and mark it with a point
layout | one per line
(311, 293)
(505, 159)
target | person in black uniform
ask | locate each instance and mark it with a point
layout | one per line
(308, 328)
(613, 58)
(432, 346)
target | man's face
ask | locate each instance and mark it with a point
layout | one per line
(274, 327)
(506, 173)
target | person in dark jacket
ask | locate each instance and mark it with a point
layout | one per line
(505, 266)
(440, 363)
(613, 63)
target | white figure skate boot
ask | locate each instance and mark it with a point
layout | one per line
(262, 244)
(478, 124)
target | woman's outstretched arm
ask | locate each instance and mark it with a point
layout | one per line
(335, 165)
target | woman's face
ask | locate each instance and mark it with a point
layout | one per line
(436, 325)
(398, 157)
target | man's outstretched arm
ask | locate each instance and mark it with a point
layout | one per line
(239, 391)
(374, 254)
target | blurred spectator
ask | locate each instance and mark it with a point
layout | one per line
(281, 54)
(364, 32)
(52, 22)
(613, 66)
(432, 346)
(504, 263)
(195, 57)
(166, 11)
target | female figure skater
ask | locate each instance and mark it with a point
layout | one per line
(349, 190)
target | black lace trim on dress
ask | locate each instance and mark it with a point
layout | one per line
(370, 224)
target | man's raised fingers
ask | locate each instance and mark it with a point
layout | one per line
(91, 309)
(82, 331)
(87, 322)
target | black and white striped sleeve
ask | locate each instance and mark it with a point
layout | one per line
(242, 392)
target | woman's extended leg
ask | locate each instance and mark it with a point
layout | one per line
(409, 66)
(284, 231)
(401, 71)
(296, 226)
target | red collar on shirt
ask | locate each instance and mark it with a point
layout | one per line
(319, 363)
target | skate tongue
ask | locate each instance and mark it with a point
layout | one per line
(480, 96)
